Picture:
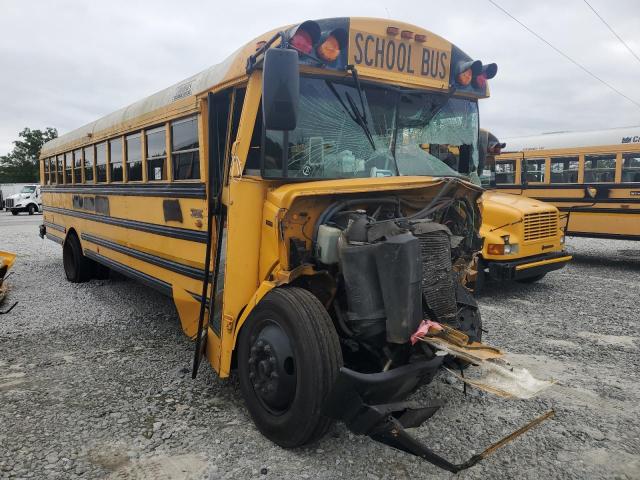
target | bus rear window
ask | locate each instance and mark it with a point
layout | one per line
(564, 170)
(600, 168)
(631, 167)
(506, 172)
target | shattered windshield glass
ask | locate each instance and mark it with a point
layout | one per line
(386, 132)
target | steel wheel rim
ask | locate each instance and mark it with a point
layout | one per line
(272, 367)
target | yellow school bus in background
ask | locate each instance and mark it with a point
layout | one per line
(523, 237)
(283, 200)
(593, 177)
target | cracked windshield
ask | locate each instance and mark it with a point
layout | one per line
(381, 132)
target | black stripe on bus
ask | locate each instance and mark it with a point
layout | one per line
(176, 267)
(172, 232)
(153, 282)
(609, 236)
(579, 209)
(58, 240)
(55, 226)
(565, 186)
(588, 200)
(173, 190)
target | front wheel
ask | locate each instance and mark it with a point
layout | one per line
(14, 212)
(31, 209)
(288, 360)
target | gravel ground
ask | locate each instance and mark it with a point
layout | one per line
(94, 383)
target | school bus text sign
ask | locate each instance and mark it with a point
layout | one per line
(398, 56)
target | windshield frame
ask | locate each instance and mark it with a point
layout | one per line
(28, 189)
(348, 81)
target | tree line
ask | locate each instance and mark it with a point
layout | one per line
(21, 164)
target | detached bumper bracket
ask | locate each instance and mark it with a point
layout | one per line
(358, 399)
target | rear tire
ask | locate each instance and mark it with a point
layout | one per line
(531, 279)
(288, 360)
(77, 267)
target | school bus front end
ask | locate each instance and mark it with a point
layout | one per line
(339, 223)
(523, 238)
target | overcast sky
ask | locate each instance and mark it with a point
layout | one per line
(66, 63)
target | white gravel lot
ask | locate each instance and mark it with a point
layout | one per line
(94, 383)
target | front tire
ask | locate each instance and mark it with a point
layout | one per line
(77, 267)
(14, 212)
(288, 360)
(31, 209)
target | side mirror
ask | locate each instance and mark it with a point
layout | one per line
(280, 89)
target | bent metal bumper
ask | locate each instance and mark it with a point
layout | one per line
(527, 267)
(372, 404)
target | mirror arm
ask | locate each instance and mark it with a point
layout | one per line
(254, 61)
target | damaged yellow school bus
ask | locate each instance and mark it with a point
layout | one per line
(283, 200)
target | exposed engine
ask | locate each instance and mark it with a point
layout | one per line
(395, 269)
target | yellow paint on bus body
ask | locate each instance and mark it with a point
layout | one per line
(155, 230)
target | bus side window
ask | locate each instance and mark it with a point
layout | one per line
(101, 162)
(58, 169)
(133, 145)
(77, 166)
(505, 172)
(185, 151)
(88, 163)
(600, 168)
(45, 180)
(156, 154)
(564, 170)
(68, 167)
(631, 167)
(115, 159)
(535, 170)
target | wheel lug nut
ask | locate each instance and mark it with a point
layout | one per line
(274, 375)
(272, 360)
(260, 343)
(252, 375)
(267, 348)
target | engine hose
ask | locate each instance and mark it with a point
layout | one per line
(335, 207)
(443, 191)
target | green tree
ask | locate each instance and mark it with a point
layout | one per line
(21, 164)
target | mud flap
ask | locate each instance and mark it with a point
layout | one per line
(371, 404)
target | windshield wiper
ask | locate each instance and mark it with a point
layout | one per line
(352, 110)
